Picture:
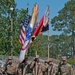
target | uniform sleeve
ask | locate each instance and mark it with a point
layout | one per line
(43, 66)
(32, 64)
(71, 71)
(58, 69)
(54, 70)
(16, 68)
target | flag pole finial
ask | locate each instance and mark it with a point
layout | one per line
(27, 7)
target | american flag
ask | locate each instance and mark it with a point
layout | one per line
(28, 31)
(24, 29)
(23, 36)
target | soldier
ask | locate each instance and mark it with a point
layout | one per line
(1, 68)
(51, 68)
(10, 67)
(64, 68)
(73, 69)
(46, 69)
(38, 66)
(24, 68)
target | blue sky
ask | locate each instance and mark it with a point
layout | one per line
(55, 6)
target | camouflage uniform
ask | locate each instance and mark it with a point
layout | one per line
(73, 70)
(1, 69)
(64, 68)
(39, 65)
(46, 69)
(24, 68)
(51, 68)
(11, 68)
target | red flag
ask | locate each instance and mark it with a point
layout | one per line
(38, 29)
(43, 23)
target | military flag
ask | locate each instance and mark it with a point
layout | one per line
(43, 23)
(44, 29)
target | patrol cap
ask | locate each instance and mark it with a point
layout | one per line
(37, 56)
(10, 58)
(64, 58)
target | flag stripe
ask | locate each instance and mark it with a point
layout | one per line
(25, 46)
(24, 29)
(22, 41)
(23, 33)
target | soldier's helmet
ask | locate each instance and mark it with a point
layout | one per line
(10, 58)
(64, 58)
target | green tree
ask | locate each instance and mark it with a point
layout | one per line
(39, 45)
(59, 46)
(5, 26)
(54, 46)
(65, 22)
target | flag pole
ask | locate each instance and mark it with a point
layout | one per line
(48, 46)
(48, 35)
(48, 50)
(36, 52)
(36, 63)
(11, 19)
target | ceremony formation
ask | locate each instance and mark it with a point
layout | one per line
(37, 37)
